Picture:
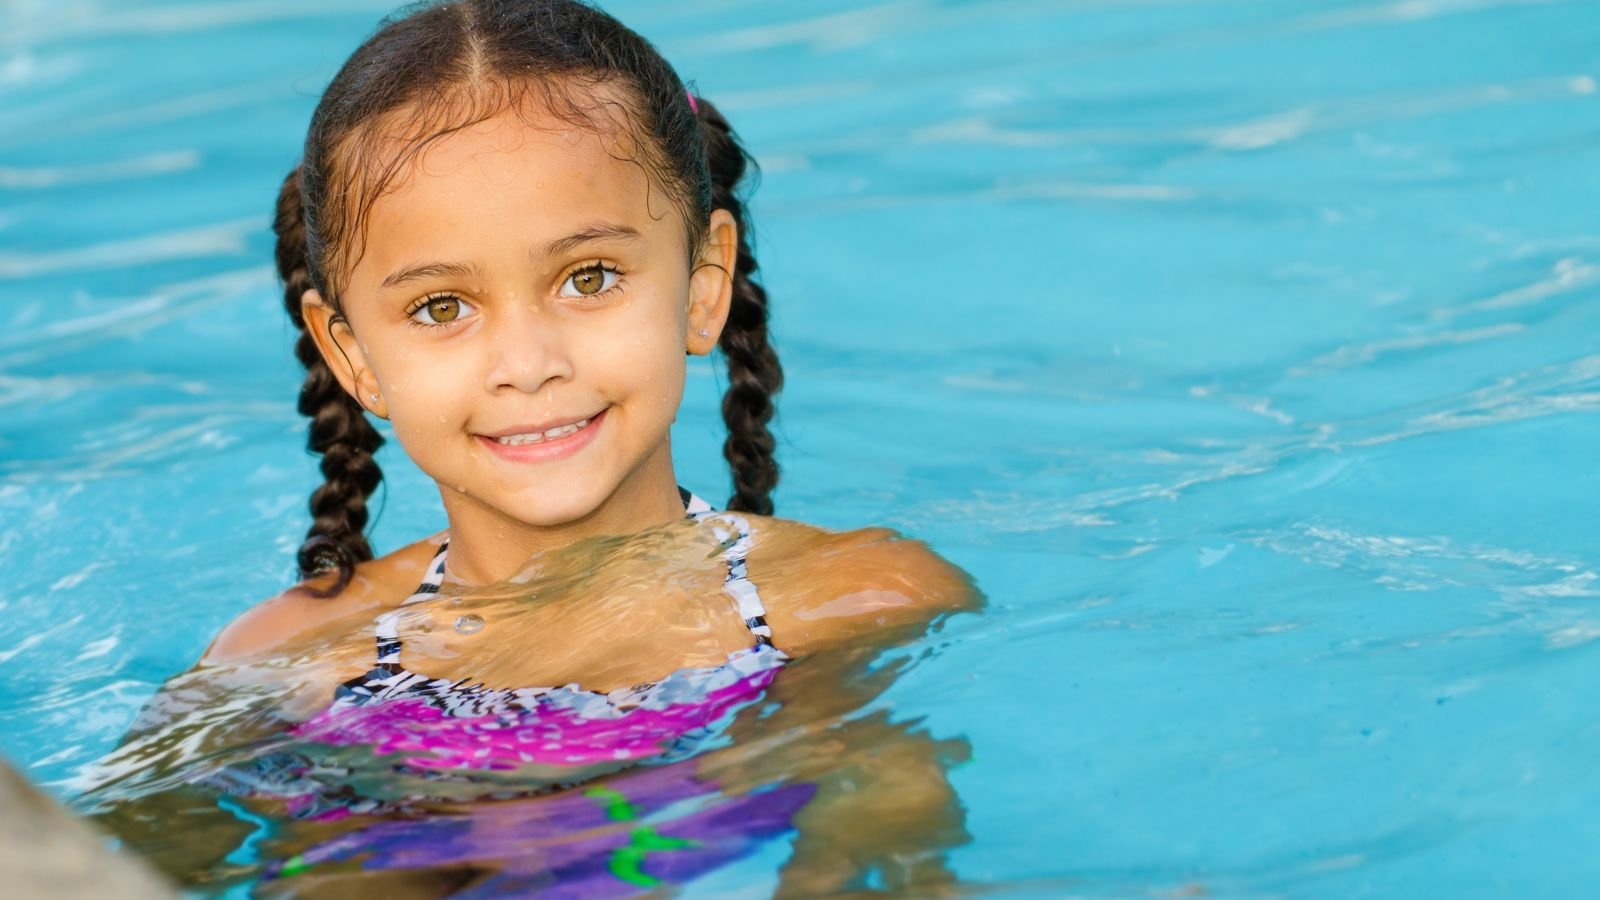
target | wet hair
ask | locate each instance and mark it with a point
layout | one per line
(434, 69)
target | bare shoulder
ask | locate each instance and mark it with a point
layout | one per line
(826, 587)
(269, 626)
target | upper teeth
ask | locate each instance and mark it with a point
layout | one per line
(537, 436)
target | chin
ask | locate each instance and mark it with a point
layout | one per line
(550, 509)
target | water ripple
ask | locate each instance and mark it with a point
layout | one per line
(1364, 353)
(122, 316)
(39, 177)
(1404, 11)
(84, 18)
(154, 434)
(220, 239)
(53, 120)
(829, 32)
(1566, 275)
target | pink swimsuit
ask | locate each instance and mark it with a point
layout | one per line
(627, 813)
(436, 723)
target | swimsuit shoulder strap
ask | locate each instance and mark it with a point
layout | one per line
(734, 531)
(693, 506)
(389, 622)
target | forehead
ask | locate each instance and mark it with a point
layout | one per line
(522, 175)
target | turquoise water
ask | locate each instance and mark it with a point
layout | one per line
(1243, 352)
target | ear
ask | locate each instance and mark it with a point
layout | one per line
(342, 352)
(711, 283)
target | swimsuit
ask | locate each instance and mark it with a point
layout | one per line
(640, 829)
(439, 724)
(581, 835)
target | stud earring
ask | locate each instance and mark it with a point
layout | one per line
(374, 397)
(705, 333)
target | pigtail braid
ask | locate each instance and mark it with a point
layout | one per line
(754, 374)
(339, 431)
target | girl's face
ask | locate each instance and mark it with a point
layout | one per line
(521, 309)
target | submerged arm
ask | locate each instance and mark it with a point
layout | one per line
(884, 811)
(156, 792)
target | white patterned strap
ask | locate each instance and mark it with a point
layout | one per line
(738, 584)
(388, 630)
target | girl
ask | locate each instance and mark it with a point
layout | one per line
(510, 227)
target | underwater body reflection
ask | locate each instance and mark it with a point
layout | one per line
(429, 781)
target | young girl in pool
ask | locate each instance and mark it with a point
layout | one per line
(511, 226)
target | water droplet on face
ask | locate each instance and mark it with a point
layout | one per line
(469, 624)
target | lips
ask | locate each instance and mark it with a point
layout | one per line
(543, 441)
(533, 434)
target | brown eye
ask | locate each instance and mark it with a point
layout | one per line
(588, 282)
(444, 309)
(441, 310)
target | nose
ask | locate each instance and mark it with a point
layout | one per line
(525, 352)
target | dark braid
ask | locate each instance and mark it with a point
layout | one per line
(754, 374)
(340, 431)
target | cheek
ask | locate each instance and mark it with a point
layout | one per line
(657, 358)
(641, 353)
(642, 368)
(421, 400)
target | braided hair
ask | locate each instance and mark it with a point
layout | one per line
(340, 431)
(442, 66)
(754, 374)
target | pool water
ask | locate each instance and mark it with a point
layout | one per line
(1242, 351)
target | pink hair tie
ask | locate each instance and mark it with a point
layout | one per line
(693, 106)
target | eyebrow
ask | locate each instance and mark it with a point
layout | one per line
(597, 232)
(430, 270)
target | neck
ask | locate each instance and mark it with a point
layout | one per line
(487, 546)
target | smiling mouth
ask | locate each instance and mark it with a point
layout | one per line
(524, 438)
